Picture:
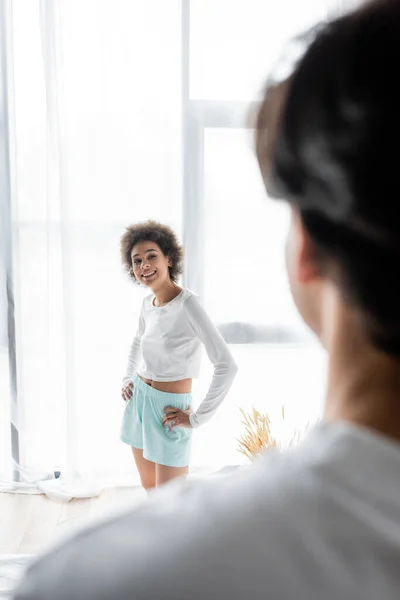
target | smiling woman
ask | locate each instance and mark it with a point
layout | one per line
(158, 418)
(151, 239)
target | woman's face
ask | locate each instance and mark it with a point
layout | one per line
(150, 265)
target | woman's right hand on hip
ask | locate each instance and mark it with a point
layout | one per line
(127, 391)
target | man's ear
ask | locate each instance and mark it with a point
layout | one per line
(306, 265)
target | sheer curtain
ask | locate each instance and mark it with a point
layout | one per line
(115, 113)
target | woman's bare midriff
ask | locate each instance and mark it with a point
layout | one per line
(184, 386)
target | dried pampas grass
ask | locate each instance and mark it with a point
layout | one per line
(257, 436)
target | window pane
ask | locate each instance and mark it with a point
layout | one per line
(245, 233)
(291, 376)
(234, 43)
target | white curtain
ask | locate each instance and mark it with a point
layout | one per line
(117, 112)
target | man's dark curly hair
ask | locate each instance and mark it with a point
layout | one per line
(319, 142)
(162, 235)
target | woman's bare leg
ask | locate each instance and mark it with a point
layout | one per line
(165, 474)
(146, 468)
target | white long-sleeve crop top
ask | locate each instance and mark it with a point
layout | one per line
(167, 347)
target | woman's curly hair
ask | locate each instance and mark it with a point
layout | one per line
(162, 235)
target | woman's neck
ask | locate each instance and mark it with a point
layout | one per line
(363, 383)
(166, 293)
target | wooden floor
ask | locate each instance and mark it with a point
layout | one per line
(28, 523)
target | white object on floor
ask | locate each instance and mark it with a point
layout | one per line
(65, 489)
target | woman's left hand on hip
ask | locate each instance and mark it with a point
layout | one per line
(176, 417)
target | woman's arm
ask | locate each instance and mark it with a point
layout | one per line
(219, 354)
(135, 352)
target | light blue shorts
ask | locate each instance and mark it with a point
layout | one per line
(142, 426)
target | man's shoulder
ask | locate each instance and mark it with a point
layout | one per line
(230, 535)
(183, 531)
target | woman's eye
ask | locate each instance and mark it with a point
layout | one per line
(152, 256)
(136, 262)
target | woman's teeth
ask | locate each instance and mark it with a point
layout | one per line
(148, 274)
